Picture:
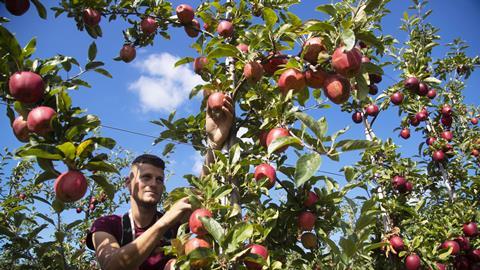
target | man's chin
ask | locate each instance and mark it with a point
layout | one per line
(149, 201)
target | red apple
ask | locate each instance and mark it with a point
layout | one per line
(39, 120)
(411, 84)
(413, 121)
(372, 110)
(243, 47)
(470, 229)
(309, 240)
(127, 53)
(22, 196)
(26, 86)
(313, 46)
(372, 89)
(148, 25)
(315, 79)
(408, 187)
(195, 224)
(92, 207)
(422, 89)
(312, 198)
(405, 133)
(70, 186)
(274, 63)
(253, 72)
(398, 182)
(225, 29)
(451, 244)
(291, 79)
(375, 78)
(91, 17)
(277, 133)
(438, 155)
(446, 110)
(447, 121)
(365, 59)
(421, 116)
(463, 242)
(397, 243)
(461, 263)
(412, 262)
(474, 121)
(475, 152)
(199, 64)
(193, 244)
(192, 28)
(431, 140)
(17, 7)
(185, 13)
(306, 221)
(20, 129)
(265, 170)
(263, 138)
(357, 117)
(79, 210)
(440, 266)
(474, 255)
(397, 98)
(347, 63)
(431, 94)
(215, 102)
(337, 89)
(447, 135)
(170, 264)
(257, 250)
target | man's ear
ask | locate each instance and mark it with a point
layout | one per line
(128, 181)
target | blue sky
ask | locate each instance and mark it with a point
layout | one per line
(149, 88)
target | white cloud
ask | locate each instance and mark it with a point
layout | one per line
(162, 87)
(198, 163)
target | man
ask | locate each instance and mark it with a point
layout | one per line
(131, 241)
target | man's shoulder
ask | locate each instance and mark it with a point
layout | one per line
(111, 224)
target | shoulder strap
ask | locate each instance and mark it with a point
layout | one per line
(126, 230)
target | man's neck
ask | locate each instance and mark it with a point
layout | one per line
(142, 216)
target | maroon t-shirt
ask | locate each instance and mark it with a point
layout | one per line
(113, 225)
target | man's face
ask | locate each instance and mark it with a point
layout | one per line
(146, 184)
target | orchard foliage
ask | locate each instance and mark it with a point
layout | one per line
(275, 66)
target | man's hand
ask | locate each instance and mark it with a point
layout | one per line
(218, 126)
(175, 214)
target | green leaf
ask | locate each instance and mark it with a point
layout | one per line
(47, 175)
(320, 26)
(58, 206)
(350, 145)
(73, 224)
(372, 5)
(319, 128)
(201, 253)
(328, 9)
(85, 148)
(370, 38)
(348, 37)
(108, 143)
(270, 17)
(168, 148)
(307, 166)
(93, 65)
(92, 51)
(349, 173)
(107, 187)
(223, 50)
(432, 80)
(45, 151)
(281, 142)
(103, 72)
(5, 231)
(294, 19)
(221, 192)
(237, 235)
(47, 219)
(100, 166)
(68, 150)
(42, 12)
(183, 61)
(363, 88)
(214, 228)
(30, 48)
(372, 68)
(348, 246)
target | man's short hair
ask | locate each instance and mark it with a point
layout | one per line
(149, 159)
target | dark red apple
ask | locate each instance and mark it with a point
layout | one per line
(309, 240)
(199, 64)
(316, 79)
(461, 262)
(375, 78)
(432, 93)
(475, 152)
(192, 29)
(422, 89)
(463, 242)
(185, 13)
(438, 155)
(26, 86)
(447, 135)
(451, 244)
(440, 266)
(474, 120)
(39, 120)
(474, 255)
(447, 121)
(92, 207)
(128, 53)
(20, 129)
(405, 133)
(397, 243)
(257, 250)
(225, 29)
(408, 187)
(411, 84)
(431, 140)
(306, 221)
(337, 88)
(470, 229)
(253, 72)
(79, 210)
(347, 63)
(70, 186)
(447, 110)
(372, 89)
(357, 117)
(412, 262)
(312, 198)
(372, 110)
(195, 224)
(243, 47)
(17, 7)
(274, 63)
(263, 138)
(193, 244)
(362, 44)
(397, 98)
(265, 170)
(291, 79)
(312, 47)
(413, 121)
(91, 17)
(421, 116)
(398, 182)
(22, 196)
(148, 25)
